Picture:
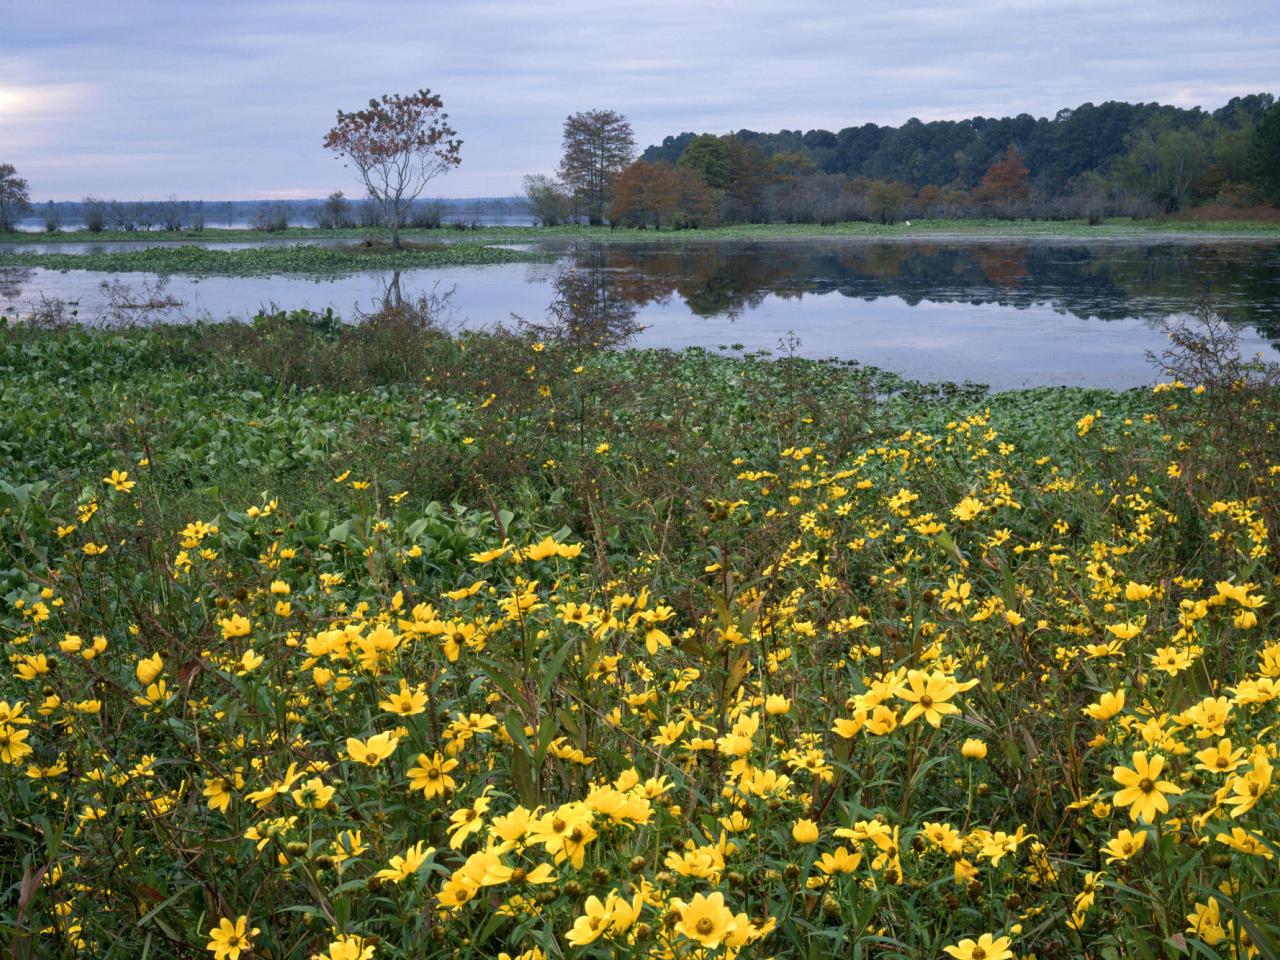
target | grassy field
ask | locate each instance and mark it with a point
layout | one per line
(1112, 227)
(364, 641)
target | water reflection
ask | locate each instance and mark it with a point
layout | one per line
(1104, 281)
(594, 306)
(1007, 312)
(12, 281)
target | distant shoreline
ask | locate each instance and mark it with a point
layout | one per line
(1118, 228)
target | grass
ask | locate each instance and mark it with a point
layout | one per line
(268, 260)
(360, 640)
(1111, 227)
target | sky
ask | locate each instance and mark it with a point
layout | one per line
(225, 99)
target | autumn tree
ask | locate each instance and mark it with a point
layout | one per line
(397, 145)
(695, 201)
(658, 195)
(887, 200)
(1005, 183)
(597, 145)
(15, 199)
(643, 195)
(929, 200)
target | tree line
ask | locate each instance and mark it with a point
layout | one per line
(396, 146)
(336, 211)
(1091, 161)
(1115, 158)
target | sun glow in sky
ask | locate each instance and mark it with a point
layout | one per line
(147, 98)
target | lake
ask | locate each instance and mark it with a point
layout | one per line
(1009, 313)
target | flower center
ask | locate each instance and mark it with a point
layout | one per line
(1145, 785)
(926, 701)
(705, 926)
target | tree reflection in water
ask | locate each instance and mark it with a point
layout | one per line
(598, 297)
(12, 280)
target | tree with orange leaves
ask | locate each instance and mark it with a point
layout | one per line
(1005, 182)
(397, 145)
(658, 195)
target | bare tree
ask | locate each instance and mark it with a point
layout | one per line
(171, 214)
(271, 217)
(597, 145)
(95, 214)
(370, 212)
(397, 145)
(52, 218)
(548, 200)
(426, 215)
(335, 212)
(119, 217)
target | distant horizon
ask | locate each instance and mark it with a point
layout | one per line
(37, 203)
(355, 193)
(228, 101)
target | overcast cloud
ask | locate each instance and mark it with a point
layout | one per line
(230, 99)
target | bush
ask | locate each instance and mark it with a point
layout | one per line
(271, 217)
(425, 215)
(95, 214)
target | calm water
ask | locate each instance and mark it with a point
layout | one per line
(1007, 313)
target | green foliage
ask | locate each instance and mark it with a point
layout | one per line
(258, 582)
(1164, 162)
(712, 158)
(1058, 149)
(960, 227)
(266, 260)
(1264, 155)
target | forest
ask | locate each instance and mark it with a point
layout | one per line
(1095, 160)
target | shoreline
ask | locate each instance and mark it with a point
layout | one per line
(1110, 229)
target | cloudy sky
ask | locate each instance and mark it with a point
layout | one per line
(230, 98)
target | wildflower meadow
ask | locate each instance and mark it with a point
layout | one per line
(333, 642)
